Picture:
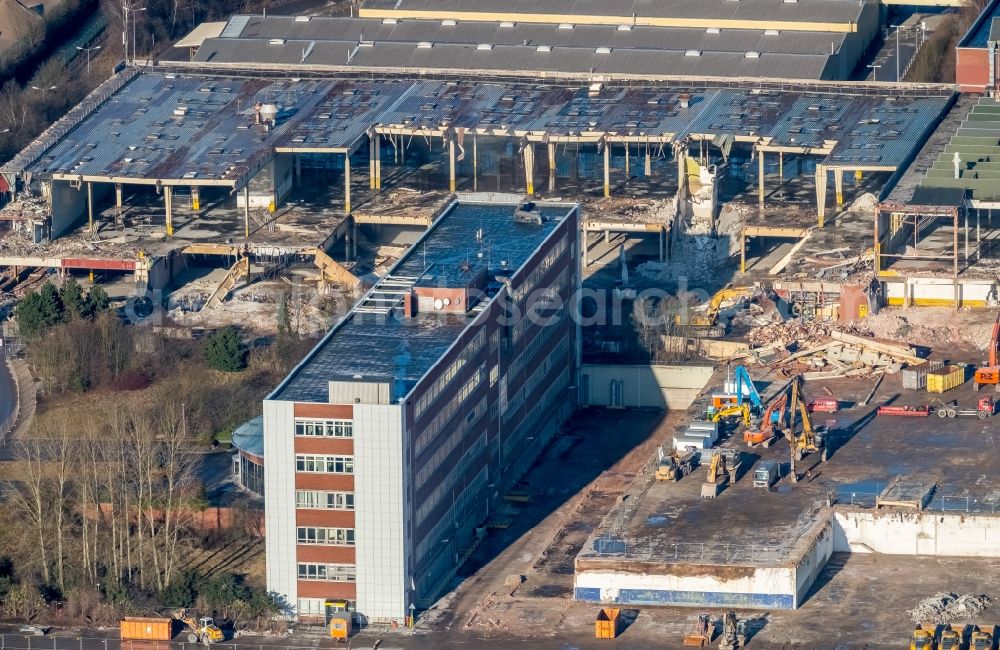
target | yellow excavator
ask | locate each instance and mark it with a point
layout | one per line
(202, 630)
(710, 318)
(723, 469)
(810, 440)
(741, 411)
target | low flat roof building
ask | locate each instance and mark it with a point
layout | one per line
(390, 443)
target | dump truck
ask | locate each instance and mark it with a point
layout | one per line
(982, 637)
(673, 466)
(951, 637)
(134, 628)
(923, 637)
(766, 474)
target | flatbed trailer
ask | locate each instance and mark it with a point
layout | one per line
(921, 411)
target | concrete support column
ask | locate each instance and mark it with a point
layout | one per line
(90, 207)
(168, 201)
(378, 161)
(583, 244)
(552, 167)
(347, 183)
(781, 167)
(475, 164)
(298, 169)
(371, 163)
(607, 237)
(663, 244)
(743, 252)
(760, 177)
(821, 181)
(529, 168)
(195, 199)
(838, 186)
(118, 203)
(648, 166)
(607, 169)
(354, 239)
(681, 169)
(628, 166)
(347, 244)
(246, 210)
(451, 165)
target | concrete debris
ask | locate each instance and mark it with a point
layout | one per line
(928, 326)
(694, 257)
(944, 608)
(866, 204)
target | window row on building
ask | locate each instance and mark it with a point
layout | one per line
(456, 474)
(325, 428)
(430, 466)
(468, 352)
(324, 464)
(325, 536)
(334, 572)
(448, 411)
(324, 500)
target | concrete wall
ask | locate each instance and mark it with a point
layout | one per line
(692, 586)
(279, 503)
(274, 180)
(972, 69)
(68, 206)
(813, 561)
(670, 387)
(381, 511)
(916, 533)
(939, 292)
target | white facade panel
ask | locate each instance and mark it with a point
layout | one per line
(379, 480)
(279, 502)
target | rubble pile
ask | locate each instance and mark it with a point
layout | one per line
(866, 204)
(802, 333)
(944, 608)
(924, 326)
(26, 206)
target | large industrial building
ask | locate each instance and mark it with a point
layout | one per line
(393, 439)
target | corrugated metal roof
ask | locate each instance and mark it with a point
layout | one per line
(454, 57)
(977, 145)
(835, 11)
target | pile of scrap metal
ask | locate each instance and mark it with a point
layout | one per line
(848, 355)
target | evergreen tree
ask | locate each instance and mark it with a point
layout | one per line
(72, 299)
(225, 351)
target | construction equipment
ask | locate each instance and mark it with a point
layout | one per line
(810, 440)
(608, 623)
(985, 407)
(766, 474)
(673, 466)
(710, 319)
(734, 632)
(341, 621)
(770, 423)
(723, 469)
(744, 389)
(923, 638)
(700, 634)
(990, 373)
(203, 629)
(951, 637)
(741, 411)
(982, 637)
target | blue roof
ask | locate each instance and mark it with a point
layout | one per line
(249, 436)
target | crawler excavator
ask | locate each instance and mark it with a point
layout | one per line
(708, 322)
(810, 440)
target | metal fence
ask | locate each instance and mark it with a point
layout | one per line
(936, 502)
(36, 642)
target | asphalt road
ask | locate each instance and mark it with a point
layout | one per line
(8, 397)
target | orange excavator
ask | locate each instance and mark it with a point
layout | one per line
(990, 374)
(770, 423)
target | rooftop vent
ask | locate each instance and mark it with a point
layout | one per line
(303, 19)
(506, 23)
(752, 55)
(772, 32)
(447, 22)
(692, 53)
(484, 46)
(543, 48)
(389, 21)
(276, 41)
(603, 50)
(713, 30)
(684, 100)
(425, 45)
(565, 25)
(624, 28)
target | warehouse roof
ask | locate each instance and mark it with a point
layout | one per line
(809, 14)
(447, 57)
(192, 130)
(390, 347)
